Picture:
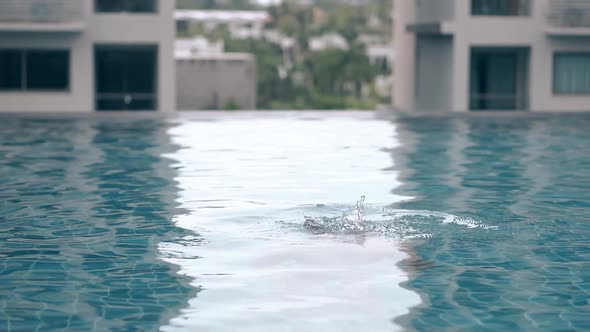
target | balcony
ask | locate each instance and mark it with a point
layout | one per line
(433, 17)
(41, 15)
(568, 18)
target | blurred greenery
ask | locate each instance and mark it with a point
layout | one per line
(327, 79)
(231, 106)
(267, 59)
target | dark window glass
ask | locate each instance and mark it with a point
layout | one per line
(111, 104)
(493, 81)
(110, 71)
(141, 104)
(126, 77)
(141, 6)
(500, 7)
(11, 70)
(571, 73)
(120, 104)
(131, 71)
(47, 70)
(141, 68)
(109, 6)
(132, 6)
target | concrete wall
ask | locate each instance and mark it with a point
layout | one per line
(542, 96)
(100, 28)
(405, 55)
(78, 98)
(469, 31)
(214, 81)
(541, 80)
(434, 10)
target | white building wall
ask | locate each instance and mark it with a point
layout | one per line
(542, 97)
(80, 95)
(541, 81)
(483, 31)
(434, 10)
(405, 56)
(213, 81)
(98, 28)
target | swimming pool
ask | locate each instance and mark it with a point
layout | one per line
(198, 222)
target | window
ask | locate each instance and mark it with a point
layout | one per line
(571, 73)
(500, 7)
(47, 70)
(10, 70)
(126, 77)
(493, 80)
(30, 70)
(131, 6)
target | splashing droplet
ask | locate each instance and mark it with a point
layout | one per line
(354, 219)
(351, 221)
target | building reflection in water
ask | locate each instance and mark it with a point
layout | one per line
(88, 202)
(525, 178)
(137, 200)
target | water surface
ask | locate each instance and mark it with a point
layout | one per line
(198, 222)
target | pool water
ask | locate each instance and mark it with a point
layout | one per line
(250, 222)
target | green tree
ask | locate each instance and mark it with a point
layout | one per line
(333, 69)
(289, 25)
(267, 61)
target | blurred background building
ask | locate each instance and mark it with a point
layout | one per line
(482, 55)
(207, 77)
(241, 24)
(82, 55)
(215, 80)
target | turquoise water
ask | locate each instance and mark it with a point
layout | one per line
(218, 222)
(531, 179)
(83, 206)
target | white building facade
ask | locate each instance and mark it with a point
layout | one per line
(478, 55)
(241, 24)
(198, 44)
(328, 41)
(87, 55)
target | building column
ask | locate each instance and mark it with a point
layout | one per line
(461, 67)
(461, 56)
(405, 55)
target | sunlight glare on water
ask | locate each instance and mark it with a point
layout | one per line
(240, 180)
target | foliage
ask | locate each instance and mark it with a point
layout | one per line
(267, 60)
(332, 78)
(231, 106)
(333, 70)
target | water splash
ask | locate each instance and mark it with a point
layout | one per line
(355, 218)
(351, 221)
(445, 218)
(392, 223)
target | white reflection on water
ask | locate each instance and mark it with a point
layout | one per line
(238, 177)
